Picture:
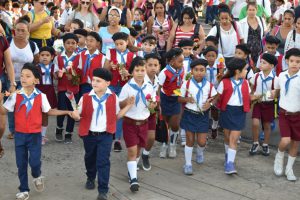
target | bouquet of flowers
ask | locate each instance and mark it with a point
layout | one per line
(69, 70)
(221, 67)
(188, 76)
(71, 97)
(152, 99)
(58, 46)
(122, 68)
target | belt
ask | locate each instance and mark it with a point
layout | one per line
(192, 111)
(134, 122)
(92, 133)
(289, 113)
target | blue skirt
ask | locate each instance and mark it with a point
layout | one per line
(195, 122)
(233, 118)
(169, 105)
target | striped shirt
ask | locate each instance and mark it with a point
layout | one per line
(179, 35)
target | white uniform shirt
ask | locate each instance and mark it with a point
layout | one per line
(155, 84)
(81, 65)
(234, 99)
(100, 124)
(162, 78)
(192, 92)
(119, 58)
(10, 103)
(215, 73)
(55, 61)
(139, 111)
(46, 81)
(290, 101)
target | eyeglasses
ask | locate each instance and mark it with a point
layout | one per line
(42, 2)
(113, 16)
(85, 2)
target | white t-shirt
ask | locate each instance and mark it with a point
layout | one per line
(237, 7)
(21, 56)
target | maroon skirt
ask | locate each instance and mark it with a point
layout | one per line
(49, 91)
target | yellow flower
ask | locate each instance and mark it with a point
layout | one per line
(221, 60)
(177, 92)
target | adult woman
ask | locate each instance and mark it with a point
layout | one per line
(229, 33)
(253, 30)
(85, 14)
(186, 28)
(125, 18)
(293, 37)
(22, 51)
(42, 25)
(282, 31)
(160, 26)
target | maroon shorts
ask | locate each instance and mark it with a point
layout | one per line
(289, 125)
(264, 111)
(152, 122)
(135, 134)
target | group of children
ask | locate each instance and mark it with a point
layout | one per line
(132, 86)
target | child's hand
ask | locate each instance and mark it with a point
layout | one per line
(130, 101)
(113, 66)
(47, 19)
(190, 100)
(60, 73)
(124, 73)
(69, 76)
(152, 105)
(272, 96)
(75, 115)
(207, 105)
(1, 97)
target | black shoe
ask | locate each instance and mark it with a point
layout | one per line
(146, 162)
(90, 184)
(102, 196)
(254, 149)
(68, 138)
(59, 134)
(117, 146)
(214, 133)
(134, 185)
(265, 150)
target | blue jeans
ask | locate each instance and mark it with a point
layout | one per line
(28, 144)
(11, 115)
(96, 158)
(117, 90)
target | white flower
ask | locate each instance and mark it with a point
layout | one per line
(268, 94)
(70, 63)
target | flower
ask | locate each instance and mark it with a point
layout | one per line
(221, 60)
(148, 97)
(177, 92)
(157, 98)
(70, 63)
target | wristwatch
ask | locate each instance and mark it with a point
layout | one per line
(13, 84)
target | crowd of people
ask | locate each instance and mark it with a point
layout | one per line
(145, 71)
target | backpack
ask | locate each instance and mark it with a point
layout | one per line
(31, 43)
(218, 35)
(6, 28)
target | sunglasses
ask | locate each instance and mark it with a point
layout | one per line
(42, 2)
(85, 2)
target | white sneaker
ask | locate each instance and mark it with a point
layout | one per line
(163, 151)
(172, 151)
(38, 183)
(290, 175)
(183, 144)
(22, 196)
(278, 165)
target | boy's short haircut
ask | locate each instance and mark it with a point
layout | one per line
(212, 39)
(120, 36)
(269, 58)
(173, 53)
(35, 71)
(78, 22)
(49, 49)
(133, 32)
(186, 43)
(244, 48)
(53, 9)
(199, 61)
(270, 39)
(68, 36)
(292, 52)
(81, 31)
(137, 61)
(50, 4)
(95, 35)
(139, 10)
(149, 38)
(103, 73)
(153, 56)
(209, 49)
(137, 27)
(16, 5)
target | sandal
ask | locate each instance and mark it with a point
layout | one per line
(10, 136)
(1, 151)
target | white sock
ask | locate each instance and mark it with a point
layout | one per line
(255, 142)
(188, 152)
(137, 160)
(44, 130)
(290, 162)
(145, 152)
(280, 153)
(200, 150)
(264, 144)
(132, 169)
(182, 135)
(214, 124)
(231, 155)
(226, 148)
(173, 136)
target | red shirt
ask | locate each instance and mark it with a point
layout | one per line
(3, 47)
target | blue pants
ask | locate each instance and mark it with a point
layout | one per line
(96, 158)
(11, 115)
(65, 104)
(117, 90)
(28, 144)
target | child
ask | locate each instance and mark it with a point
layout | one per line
(214, 42)
(45, 85)
(81, 34)
(214, 72)
(272, 44)
(234, 103)
(55, 12)
(65, 63)
(289, 115)
(135, 122)
(263, 83)
(96, 128)
(148, 45)
(28, 105)
(90, 60)
(118, 60)
(137, 17)
(76, 24)
(152, 68)
(196, 93)
(170, 79)
(242, 51)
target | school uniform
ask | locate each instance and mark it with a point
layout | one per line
(192, 119)
(186, 65)
(96, 128)
(234, 103)
(280, 67)
(61, 62)
(289, 114)
(46, 83)
(264, 110)
(152, 117)
(80, 49)
(135, 121)
(87, 64)
(212, 72)
(28, 125)
(170, 80)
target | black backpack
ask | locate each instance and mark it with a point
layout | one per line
(31, 43)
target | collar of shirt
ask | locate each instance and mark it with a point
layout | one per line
(87, 52)
(147, 80)
(92, 93)
(23, 92)
(64, 54)
(276, 54)
(214, 66)
(132, 81)
(271, 74)
(287, 72)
